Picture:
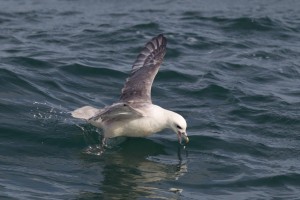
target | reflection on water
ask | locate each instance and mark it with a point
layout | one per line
(137, 168)
(127, 167)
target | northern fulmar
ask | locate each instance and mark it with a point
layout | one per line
(134, 115)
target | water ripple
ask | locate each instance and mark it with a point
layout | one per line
(231, 69)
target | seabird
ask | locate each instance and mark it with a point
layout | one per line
(134, 115)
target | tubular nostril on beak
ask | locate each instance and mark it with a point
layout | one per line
(184, 136)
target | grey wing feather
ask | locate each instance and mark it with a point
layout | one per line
(117, 111)
(138, 86)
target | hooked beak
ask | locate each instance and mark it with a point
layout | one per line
(184, 136)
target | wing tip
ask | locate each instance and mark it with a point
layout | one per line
(157, 43)
(161, 39)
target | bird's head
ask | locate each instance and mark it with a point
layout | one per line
(178, 125)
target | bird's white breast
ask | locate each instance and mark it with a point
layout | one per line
(153, 122)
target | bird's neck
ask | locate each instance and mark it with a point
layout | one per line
(161, 116)
(169, 117)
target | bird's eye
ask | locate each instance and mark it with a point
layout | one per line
(179, 127)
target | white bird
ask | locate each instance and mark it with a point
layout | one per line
(134, 115)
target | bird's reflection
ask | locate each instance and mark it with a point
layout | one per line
(138, 168)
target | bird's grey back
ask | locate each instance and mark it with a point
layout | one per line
(138, 86)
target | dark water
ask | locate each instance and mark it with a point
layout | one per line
(232, 70)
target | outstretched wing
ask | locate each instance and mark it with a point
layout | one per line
(138, 86)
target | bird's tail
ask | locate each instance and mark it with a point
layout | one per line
(85, 112)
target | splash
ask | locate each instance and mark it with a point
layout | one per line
(46, 111)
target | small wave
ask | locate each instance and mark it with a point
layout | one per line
(69, 13)
(143, 26)
(247, 23)
(171, 75)
(281, 180)
(261, 55)
(84, 70)
(212, 91)
(19, 85)
(28, 62)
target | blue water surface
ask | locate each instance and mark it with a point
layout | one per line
(231, 69)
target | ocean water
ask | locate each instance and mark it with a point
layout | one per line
(232, 69)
